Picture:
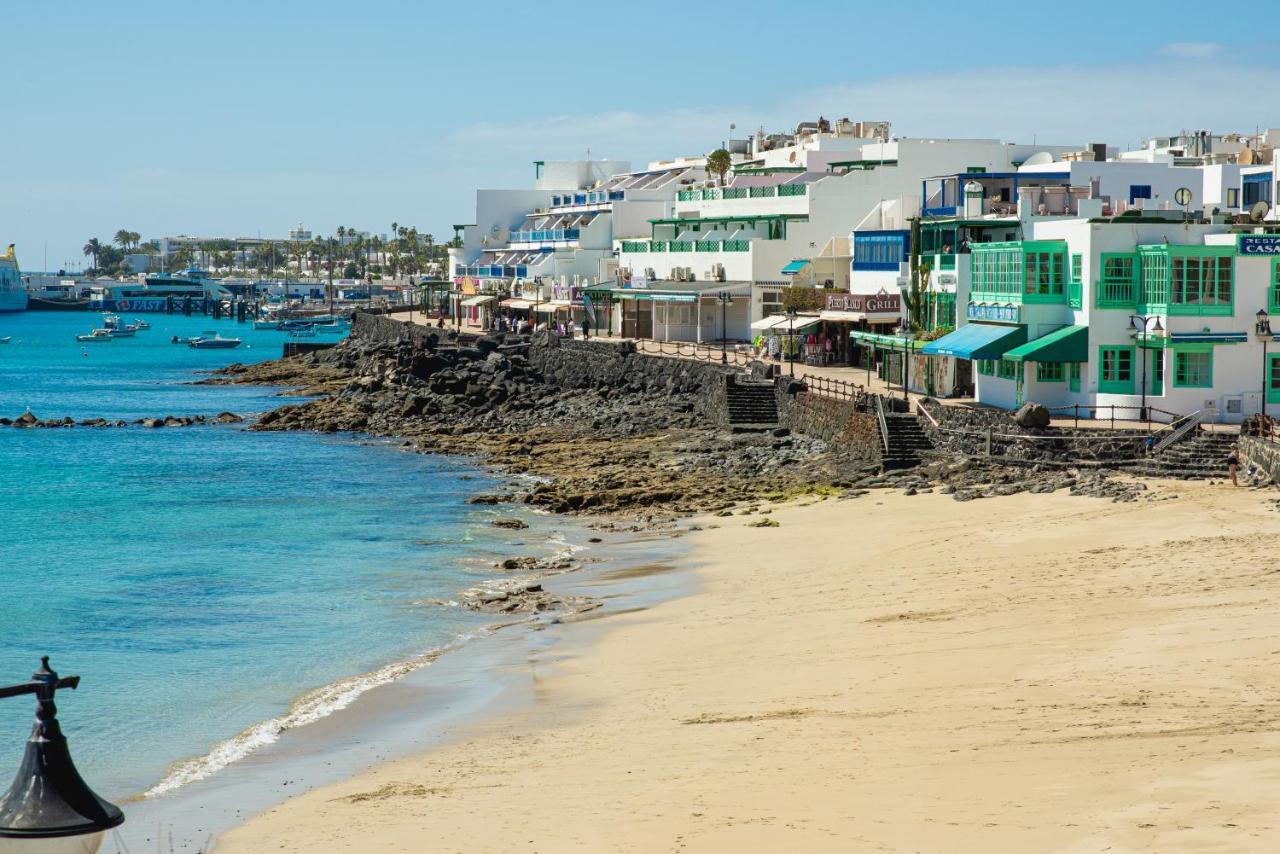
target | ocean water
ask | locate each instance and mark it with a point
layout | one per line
(210, 585)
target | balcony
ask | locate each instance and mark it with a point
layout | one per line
(492, 271)
(550, 235)
(591, 197)
(634, 246)
(711, 194)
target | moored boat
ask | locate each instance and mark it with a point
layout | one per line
(5, 339)
(13, 296)
(96, 335)
(266, 324)
(215, 343)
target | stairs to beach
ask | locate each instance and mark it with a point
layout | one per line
(752, 406)
(1201, 457)
(907, 440)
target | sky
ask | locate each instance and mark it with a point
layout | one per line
(237, 118)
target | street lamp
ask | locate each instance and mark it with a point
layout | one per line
(1263, 330)
(791, 339)
(1139, 323)
(904, 330)
(725, 297)
(49, 808)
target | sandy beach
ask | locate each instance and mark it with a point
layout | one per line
(890, 673)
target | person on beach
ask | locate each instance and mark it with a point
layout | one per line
(1233, 463)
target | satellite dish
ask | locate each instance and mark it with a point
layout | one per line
(1038, 159)
(1182, 196)
(1258, 212)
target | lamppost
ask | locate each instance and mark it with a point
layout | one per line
(1139, 323)
(904, 330)
(1263, 330)
(725, 298)
(49, 808)
(791, 339)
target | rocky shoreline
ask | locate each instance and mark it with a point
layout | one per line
(628, 448)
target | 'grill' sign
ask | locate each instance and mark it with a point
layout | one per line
(1260, 244)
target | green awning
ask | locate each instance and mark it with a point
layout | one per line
(1068, 344)
(795, 266)
(893, 342)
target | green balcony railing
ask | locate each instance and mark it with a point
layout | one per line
(634, 246)
(688, 195)
(707, 246)
(737, 245)
(762, 192)
(657, 246)
(1117, 294)
(680, 246)
(793, 189)
(735, 192)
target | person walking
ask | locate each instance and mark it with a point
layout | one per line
(586, 329)
(1233, 463)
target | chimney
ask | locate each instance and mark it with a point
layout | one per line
(1099, 151)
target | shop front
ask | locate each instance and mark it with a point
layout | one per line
(846, 313)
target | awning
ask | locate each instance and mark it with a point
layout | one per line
(842, 316)
(795, 266)
(977, 341)
(893, 342)
(1068, 344)
(768, 322)
(547, 307)
(480, 300)
(512, 302)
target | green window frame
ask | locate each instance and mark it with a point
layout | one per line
(1193, 368)
(1007, 369)
(1273, 378)
(1044, 277)
(1117, 284)
(1077, 266)
(1050, 372)
(1273, 292)
(1188, 280)
(1074, 377)
(986, 367)
(1115, 370)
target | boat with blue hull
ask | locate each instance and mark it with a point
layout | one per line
(163, 292)
(13, 296)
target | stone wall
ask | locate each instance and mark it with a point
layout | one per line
(380, 329)
(1260, 454)
(976, 431)
(853, 435)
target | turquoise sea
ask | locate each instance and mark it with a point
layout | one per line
(210, 585)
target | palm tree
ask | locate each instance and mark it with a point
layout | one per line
(122, 238)
(93, 247)
(135, 238)
(718, 163)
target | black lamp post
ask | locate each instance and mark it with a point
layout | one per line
(904, 330)
(49, 808)
(1263, 331)
(725, 298)
(1139, 323)
(791, 339)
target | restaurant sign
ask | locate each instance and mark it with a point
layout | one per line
(883, 303)
(1260, 244)
(994, 312)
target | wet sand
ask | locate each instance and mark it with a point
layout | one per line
(1027, 673)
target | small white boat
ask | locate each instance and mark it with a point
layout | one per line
(5, 339)
(96, 335)
(139, 323)
(266, 324)
(117, 332)
(215, 343)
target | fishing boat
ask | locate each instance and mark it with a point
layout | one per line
(111, 321)
(126, 332)
(266, 324)
(139, 323)
(96, 335)
(179, 340)
(215, 343)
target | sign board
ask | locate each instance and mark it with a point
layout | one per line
(1259, 244)
(994, 312)
(865, 303)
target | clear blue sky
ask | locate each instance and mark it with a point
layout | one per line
(247, 118)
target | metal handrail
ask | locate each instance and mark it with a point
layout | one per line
(884, 425)
(1192, 423)
(927, 414)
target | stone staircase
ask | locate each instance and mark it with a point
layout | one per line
(907, 440)
(1202, 456)
(752, 406)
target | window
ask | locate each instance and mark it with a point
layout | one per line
(1049, 372)
(986, 367)
(1116, 289)
(1007, 369)
(1273, 379)
(1077, 264)
(880, 250)
(1233, 197)
(1257, 188)
(1273, 293)
(1074, 385)
(1044, 273)
(1200, 280)
(997, 273)
(1193, 369)
(1115, 370)
(1139, 191)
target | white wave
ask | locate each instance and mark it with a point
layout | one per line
(309, 708)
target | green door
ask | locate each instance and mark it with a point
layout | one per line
(1018, 374)
(1157, 373)
(1273, 378)
(1074, 367)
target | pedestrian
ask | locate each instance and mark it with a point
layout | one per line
(586, 329)
(1233, 463)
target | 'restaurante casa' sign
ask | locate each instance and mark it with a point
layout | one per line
(1260, 244)
(865, 303)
